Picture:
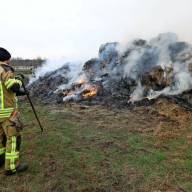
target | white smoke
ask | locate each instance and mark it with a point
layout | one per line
(160, 47)
(48, 66)
(51, 65)
(162, 43)
(74, 75)
(131, 61)
(137, 94)
(183, 82)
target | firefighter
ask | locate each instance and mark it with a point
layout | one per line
(10, 124)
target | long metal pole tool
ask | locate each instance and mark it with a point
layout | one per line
(32, 106)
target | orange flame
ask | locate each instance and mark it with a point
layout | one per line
(90, 93)
(82, 89)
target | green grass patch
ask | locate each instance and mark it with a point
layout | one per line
(73, 156)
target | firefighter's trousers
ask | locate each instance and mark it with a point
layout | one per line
(10, 141)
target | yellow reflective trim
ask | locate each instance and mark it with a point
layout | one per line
(12, 155)
(13, 150)
(4, 116)
(6, 112)
(2, 97)
(9, 83)
(12, 165)
(7, 109)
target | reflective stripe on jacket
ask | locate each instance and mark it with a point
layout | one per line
(8, 99)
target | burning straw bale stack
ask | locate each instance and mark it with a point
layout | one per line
(141, 69)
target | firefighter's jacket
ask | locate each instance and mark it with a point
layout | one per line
(8, 99)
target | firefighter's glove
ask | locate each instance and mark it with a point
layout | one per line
(20, 77)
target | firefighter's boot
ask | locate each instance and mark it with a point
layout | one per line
(21, 168)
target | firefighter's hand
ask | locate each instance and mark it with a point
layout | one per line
(20, 77)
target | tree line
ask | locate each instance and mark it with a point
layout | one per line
(27, 62)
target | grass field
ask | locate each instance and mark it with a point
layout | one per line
(95, 149)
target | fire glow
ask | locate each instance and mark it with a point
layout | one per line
(81, 91)
(90, 92)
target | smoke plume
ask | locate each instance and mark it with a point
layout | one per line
(160, 66)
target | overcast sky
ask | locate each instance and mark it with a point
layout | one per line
(76, 28)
